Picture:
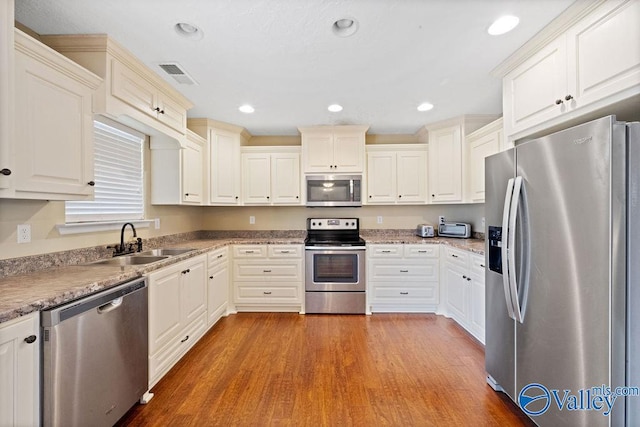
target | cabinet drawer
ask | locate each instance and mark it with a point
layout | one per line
(217, 257)
(424, 271)
(478, 265)
(258, 293)
(268, 270)
(421, 251)
(250, 251)
(166, 357)
(285, 251)
(407, 294)
(456, 256)
(384, 251)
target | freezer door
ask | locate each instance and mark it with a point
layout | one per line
(575, 296)
(499, 335)
(633, 279)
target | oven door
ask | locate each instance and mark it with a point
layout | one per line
(335, 269)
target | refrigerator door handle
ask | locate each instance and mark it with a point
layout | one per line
(505, 249)
(511, 243)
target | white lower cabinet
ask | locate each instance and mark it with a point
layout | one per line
(218, 285)
(463, 289)
(20, 371)
(403, 277)
(177, 313)
(267, 277)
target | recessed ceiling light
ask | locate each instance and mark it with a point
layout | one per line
(345, 27)
(502, 25)
(188, 30)
(425, 106)
(248, 109)
(334, 108)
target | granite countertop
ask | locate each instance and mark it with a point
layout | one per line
(22, 294)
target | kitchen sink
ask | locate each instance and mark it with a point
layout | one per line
(163, 252)
(130, 260)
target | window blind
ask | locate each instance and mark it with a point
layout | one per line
(118, 175)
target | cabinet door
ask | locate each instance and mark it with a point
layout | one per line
(478, 151)
(192, 178)
(607, 52)
(218, 292)
(225, 167)
(285, 178)
(194, 290)
(445, 164)
(348, 152)
(381, 177)
(412, 176)
(130, 87)
(171, 113)
(20, 372)
(318, 152)
(54, 131)
(477, 298)
(457, 292)
(532, 89)
(164, 307)
(256, 178)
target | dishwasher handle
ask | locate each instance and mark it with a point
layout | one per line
(110, 306)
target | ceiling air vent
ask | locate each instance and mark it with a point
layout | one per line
(175, 70)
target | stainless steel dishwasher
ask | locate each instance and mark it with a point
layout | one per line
(95, 357)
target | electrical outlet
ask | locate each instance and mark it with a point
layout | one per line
(379, 220)
(252, 219)
(441, 219)
(24, 233)
(157, 223)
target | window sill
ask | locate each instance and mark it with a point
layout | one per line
(92, 227)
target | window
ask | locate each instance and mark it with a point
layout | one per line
(118, 173)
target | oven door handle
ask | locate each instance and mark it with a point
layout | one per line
(335, 248)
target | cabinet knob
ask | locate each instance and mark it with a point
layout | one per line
(404, 271)
(210, 277)
(5, 172)
(30, 339)
(482, 265)
(267, 197)
(185, 338)
(157, 109)
(468, 279)
(266, 271)
(297, 197)
(568, 98)
(399, 196)
(464, 277)
(335, 166)
(186, 194)
(161, 111)
(454, 255)
(433, 195)
(236, 197)
(186, 271)
(220, 256)
(267, 292)
(559, 101)
(404, 293)
(91, 183)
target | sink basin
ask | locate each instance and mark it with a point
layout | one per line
(129, 260)
(163, 252)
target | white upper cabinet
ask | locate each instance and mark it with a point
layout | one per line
(482, 143)
(271, 175)
(333, 149)
(177, 174)
(448, 165)
(590, 64)
(223, 184)
(131, 93)
(396, 173)
(6, 94)
(53, 124)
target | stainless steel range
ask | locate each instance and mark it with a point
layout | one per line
(335, 266)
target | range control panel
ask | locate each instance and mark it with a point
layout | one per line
(332, 224)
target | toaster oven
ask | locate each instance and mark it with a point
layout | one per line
(454, 229)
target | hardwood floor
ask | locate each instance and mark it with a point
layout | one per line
(283, 369)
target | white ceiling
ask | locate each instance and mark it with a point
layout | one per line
(282, 57)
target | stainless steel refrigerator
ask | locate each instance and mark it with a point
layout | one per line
(563, 279)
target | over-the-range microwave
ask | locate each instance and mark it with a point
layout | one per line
(334, 190)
